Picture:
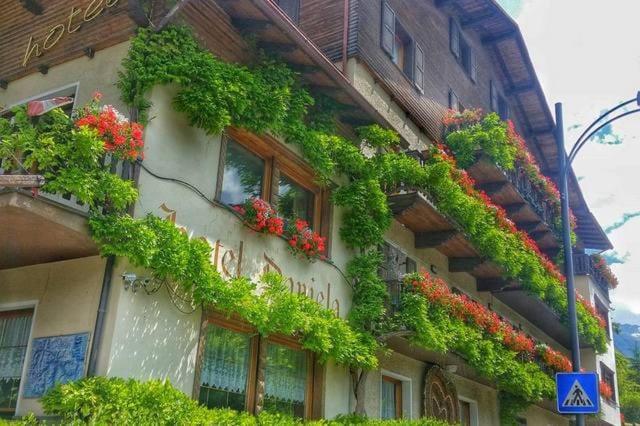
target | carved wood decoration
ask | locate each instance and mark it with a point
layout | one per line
(440, 396)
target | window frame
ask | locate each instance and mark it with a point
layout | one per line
(462, 51)
(257, 359)
(397, 384)
(277, 158)
(12, 310)
(608, 376)
(473, 409)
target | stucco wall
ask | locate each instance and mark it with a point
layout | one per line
(99, 73)
(65, 297)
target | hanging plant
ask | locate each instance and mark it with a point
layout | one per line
(258, 215)
(304, 242)
(120, 137)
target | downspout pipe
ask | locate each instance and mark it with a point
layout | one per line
(98, 330)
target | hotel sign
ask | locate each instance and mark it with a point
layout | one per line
(37, 45)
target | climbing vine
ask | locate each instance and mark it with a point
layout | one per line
(264, 97)
(267, 97)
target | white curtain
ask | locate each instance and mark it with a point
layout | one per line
(226, 360)
(285, 373)
(14, 336)
(388, 400)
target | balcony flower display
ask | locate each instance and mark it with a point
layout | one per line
(473, 313)
(258, 215)
(120, 137)
(305, 242)
(553, 358)
(605, 390)
(600, 263)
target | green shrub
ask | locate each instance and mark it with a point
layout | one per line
(111, 401)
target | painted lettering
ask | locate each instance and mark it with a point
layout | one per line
(31, 49)
(54, 34)
(74, 11)
(59, 29)
(94, 9)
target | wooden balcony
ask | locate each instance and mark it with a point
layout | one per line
(524, 204)
(434, 230)
(583, 265)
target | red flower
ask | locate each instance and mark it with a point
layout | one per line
(305, 242)
(605, 390)
(260, 216)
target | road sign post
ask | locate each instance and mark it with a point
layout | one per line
(577, 393)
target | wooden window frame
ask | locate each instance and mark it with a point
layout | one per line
(608, 376)
(315, 376)
(278, 159)
(397, 383)
(14, 313)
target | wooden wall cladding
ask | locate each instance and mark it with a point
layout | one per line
(57, 30)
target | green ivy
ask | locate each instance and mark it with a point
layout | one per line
(159, 245)
(214, 94)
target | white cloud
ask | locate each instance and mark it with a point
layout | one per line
(587, 57)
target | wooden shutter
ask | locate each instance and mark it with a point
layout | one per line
(418, 67)
(454, 37)
(454, 102)
(493, 96)
(388, 30)
(473, 65)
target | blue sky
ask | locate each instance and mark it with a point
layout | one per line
(586, 56)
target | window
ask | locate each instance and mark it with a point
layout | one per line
(243, 174)
(462, 50)
(400, 46)
(468, 412)
(391, 398)
(608, 376)
(454, 101)
(604, 313)
(15, 327)
(498, 102)
(63, 98)
(252, 167)
(291, 8)
(230, 366)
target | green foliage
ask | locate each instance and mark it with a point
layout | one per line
(435, 329)
(628, 379)
(69, 158)
(110, 401)
(511, 407)
(267, 97)
(159, 245)
(488, 135)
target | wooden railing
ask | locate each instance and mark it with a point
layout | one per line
(532, 195)
(583, 265)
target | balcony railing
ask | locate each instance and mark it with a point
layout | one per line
(584, 265)
(531, 194)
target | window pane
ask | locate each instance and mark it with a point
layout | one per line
(14, 337)
(285, 380)
(388, 400)
(294, 201)
(243, 174)
(223, 379)
(465, 413)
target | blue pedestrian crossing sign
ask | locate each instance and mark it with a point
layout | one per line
(577, 393)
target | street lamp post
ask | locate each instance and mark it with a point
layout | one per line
(564, 165)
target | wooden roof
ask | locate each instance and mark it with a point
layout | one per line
(503, 39)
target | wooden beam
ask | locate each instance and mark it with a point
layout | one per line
(491, 284)
(304, 68)
(521, 88)
(528, 226)
(21, 181)
(433, 239)
(250, 25)
(499, 37)
(478, 19)
(514, 208)
(463, 264)
(537, 235)
(493, 188)
(540, 132)
(32, 6)
(281, 48)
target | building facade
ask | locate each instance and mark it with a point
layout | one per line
(401, 64)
